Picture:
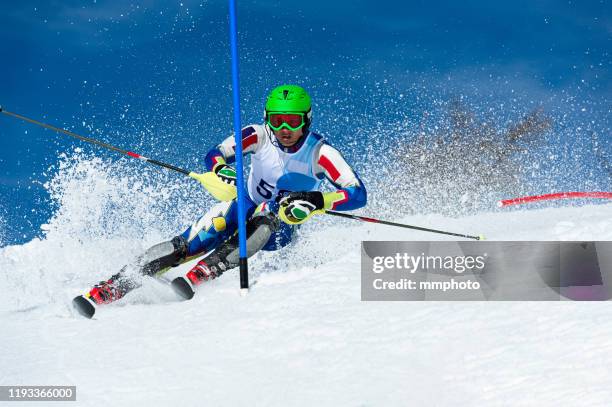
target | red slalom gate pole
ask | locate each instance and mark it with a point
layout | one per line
(555, 196)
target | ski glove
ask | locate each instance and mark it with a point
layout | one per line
(298, 207)
(225, 173)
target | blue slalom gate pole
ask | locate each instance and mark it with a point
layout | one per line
(244, 270)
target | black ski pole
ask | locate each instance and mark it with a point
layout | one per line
(96, 142)
(210, 181)
(401, 225)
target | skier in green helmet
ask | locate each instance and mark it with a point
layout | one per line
(288, 165)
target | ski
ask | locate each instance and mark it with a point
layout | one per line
(84, 306)
(182, 288)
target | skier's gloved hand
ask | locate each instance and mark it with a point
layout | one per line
(225, 173)
(298, 207)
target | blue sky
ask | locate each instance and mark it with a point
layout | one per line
(154, 75)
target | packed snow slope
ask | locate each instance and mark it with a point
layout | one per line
(302, 336)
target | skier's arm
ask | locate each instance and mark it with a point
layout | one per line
(351, 193)
(298, 207)
(225, 153)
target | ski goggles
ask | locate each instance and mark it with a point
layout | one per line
(291, 121)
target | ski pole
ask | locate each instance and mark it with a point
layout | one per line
(401, 225)
(96, 142)
(209, 180)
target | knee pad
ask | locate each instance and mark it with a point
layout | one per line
(164, 255)
(269, 218)
(180, 245)
(259, 230)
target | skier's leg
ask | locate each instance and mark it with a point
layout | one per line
(259, 229)
(155, 259)
(226, 256)
(206, 234)
(202, 236)
(212, 229)
(283, 235)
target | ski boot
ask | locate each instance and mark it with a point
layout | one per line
(104, 292)
(184, 286)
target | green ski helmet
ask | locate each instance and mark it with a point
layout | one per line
(289, 99)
